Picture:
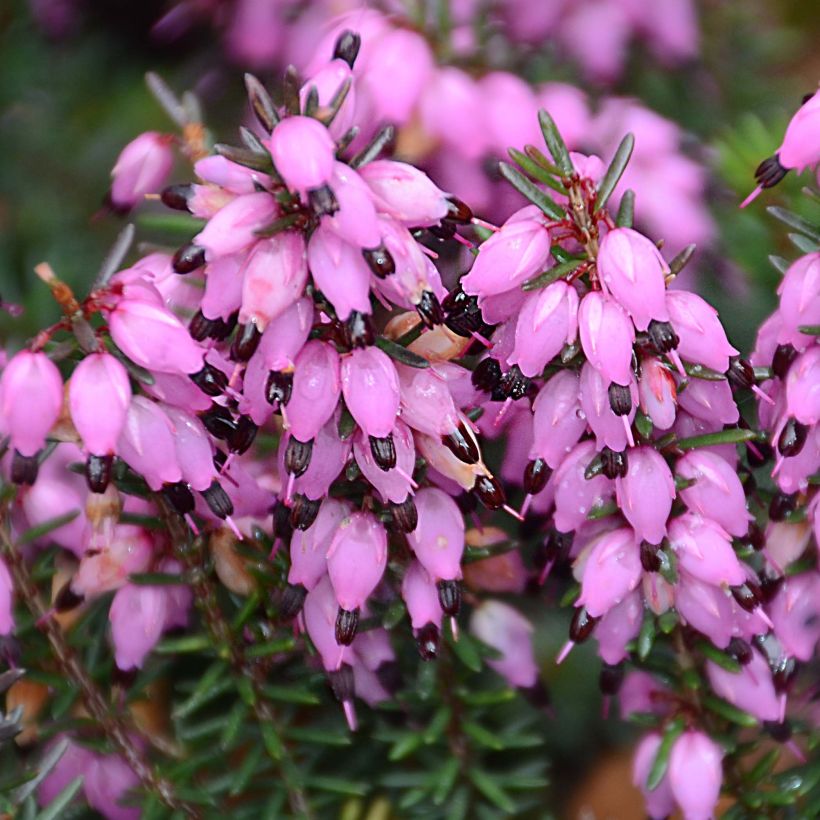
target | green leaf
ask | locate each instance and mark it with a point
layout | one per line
(615, 171)
(602, 511)
(212, 684)
(646, 637)
(401, 354)
(803, 244)
(290, 694)
(406, 746)
(279, 225)
(233, 724)
(185, 643)
(265, 650)
(731, 436)
(780, 264)
(33, 533)
(531, 191)
(61, 801)
(682, 259)
(467, 652)
(337, 785)
(483, 736)
(555, 273)
(796, 221)
(155, 579)
(374, 147)
(715, 655)
(643, 424)
(324, 737)
(246, 770)
(444, 780)
(272, 741)
(555, 144)
(661, 762)
(810, 330)
(437, 725)
(171, 223)
(729, 712)
(626, 210)
(699, 371)
(489, 787)
(536, 170)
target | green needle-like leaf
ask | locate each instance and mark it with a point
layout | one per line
(615, 171)
(555, 143)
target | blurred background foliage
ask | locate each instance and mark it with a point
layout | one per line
(68, 105)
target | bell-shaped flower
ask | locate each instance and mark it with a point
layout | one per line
(6, 600)
(193, 447)
(356, 221)
(426, 401)
(31, 397)
(393, 485)
(803, 387)
(658, 396)
(285, 336)
(704, 550)
(370, 386)
(308, 548)
(146, 443)
(795, 613)
(575, 495)
(316, 389)
(405, 193)
(223, 287)
(799, 293)
(107, 785)
(607, 336)
(645, 493)
(611, 570)
(419, 593)
(438, 540)
(274, 277)
(508, 632)
(328, 82)
(711, 401)
(303, 152)
(328, 458)
(154, 338)
(319, 612)
(799, 148)
(234, 227)
(659, 801)
(98, 396)
(414, 275)
(631, 268)
(356, 559)
(702, 337)
(717, 492)
(705, 607)
(618, 627)
(238, 179)
(339, 271)
(548, 321)
(142, 167)
(137, 616)
(610, 429)
(751, 689)
(515, 253)
(695, 774)
(558, 421)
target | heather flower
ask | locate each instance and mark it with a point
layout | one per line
(659, 801)
(137, 615)
(6, 596)
(316, 390)
(370, 386)
(420, 595)
(393, 485)
(695, 774)
(146, 443)
(611, 429)
(31, 396)
(575, 495)
(704, 550)
(618, 627)
(751, 689)
(702, 337)
(308, 548)
(645, 493)
(509, 633)
(658, 396)
(799, 294)
(142, 167)
(303, 153)
(795, 614)
(438, 539)
(610, 569)
(356, 221)
(558, 421)
(705, 607)
(234, 227)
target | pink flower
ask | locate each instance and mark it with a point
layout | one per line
(98, 395)
(419, 593)
(659, 801)
(618, 627)
(803, 387)
(356, 559)
(632, 269)
(236, 179)
(795, 612)
(695, 774)
(426, 402)
(328, 459)
(356, 221)
(320, 612)
(705, 551)
(656, 388)
(751, 689)
(611, 569)
(137, 615)
(328, 81)
(154, 338)
(146, 443)
(316, 389)
(405, 193)
(706, 608)
(274, 278)
(609, 428)
(234, 227)
(710, 401)
(607, 336)
(106, 782)
(193, 448)
(547, 321)
(558, 421)
(799, 149)
(717, 492)
(393, 485)
(303, 152)
(799, 293)
(702, 337)
(340, 271)
(575, 495)
(438, 540)
(517, 252)
(308, 548)
(645, 493)
(142, 167)
(370, 386)
(508, 632)
(31, 397)
(6, 600)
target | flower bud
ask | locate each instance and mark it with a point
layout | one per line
(632, 269)
(146, 444)
(751, 689)
(704, 550)
(702, 337)
(234, 227)
(558, 421)
(31, 397)
(656, 388)
(356, 559)
(611, 569)
(142, 167)
(370, 386)
(316, 389)
(405, 193)
(303, 152)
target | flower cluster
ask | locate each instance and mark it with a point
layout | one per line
(299, 375)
